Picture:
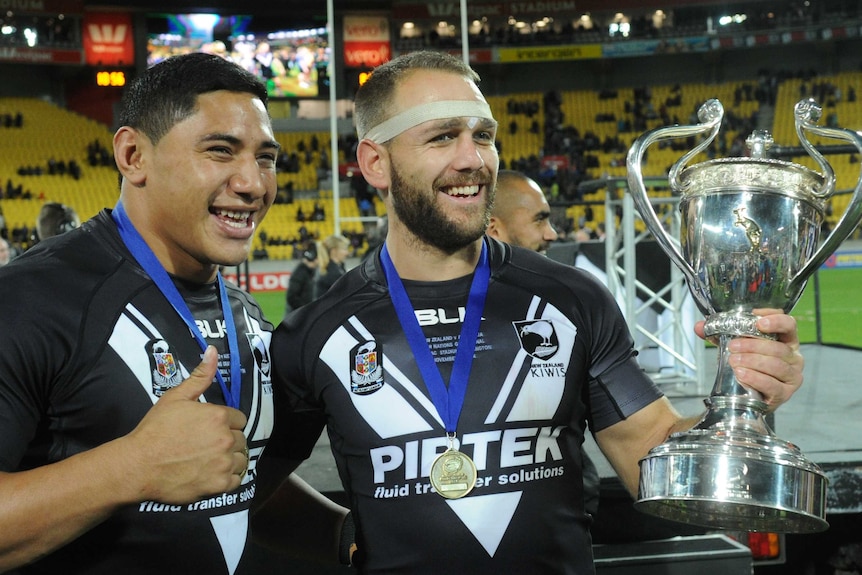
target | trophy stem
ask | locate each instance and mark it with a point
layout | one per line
(732, 406)
(726, 384)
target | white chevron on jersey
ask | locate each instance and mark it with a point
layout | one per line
(540, 395)
(396, 374)
(386, 410)
(487, 516)
(231, 531)
(514, 370)
(506, 388)
(129, 339)
(537, 397)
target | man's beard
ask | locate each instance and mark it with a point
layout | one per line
(429, 223)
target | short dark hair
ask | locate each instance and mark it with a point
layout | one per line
(55, 219)
(373, 101)
(168, 92)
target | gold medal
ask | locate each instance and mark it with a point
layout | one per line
(453, 474)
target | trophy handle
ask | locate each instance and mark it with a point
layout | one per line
(807, 112)
(710, 115)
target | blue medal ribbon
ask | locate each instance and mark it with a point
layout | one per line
(154, 268)
(448, 401)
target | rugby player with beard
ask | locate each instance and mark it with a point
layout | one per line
(456, 376)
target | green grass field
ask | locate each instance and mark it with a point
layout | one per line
(840, 308)
(840, 292)
(272, 303)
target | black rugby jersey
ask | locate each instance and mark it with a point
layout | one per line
(87, 344)
(553, 353)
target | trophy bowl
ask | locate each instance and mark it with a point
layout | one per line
(749, 239)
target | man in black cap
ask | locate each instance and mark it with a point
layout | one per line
(300, 288)
(54, 219)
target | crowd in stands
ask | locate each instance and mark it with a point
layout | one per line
(586, 152)
(20, 237)
(99, 155)
(693, 22)
(15, 120)
(290, 161)
(318, 214)
(12, 191)
(53, 167)
(306, 240)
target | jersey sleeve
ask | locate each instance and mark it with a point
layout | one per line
(299, 416)
(618, 393)
(35, 347)
(618, 386)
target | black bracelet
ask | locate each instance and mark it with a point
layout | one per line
(348, 539)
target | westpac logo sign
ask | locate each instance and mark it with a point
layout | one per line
(108, 39)
(107, 33)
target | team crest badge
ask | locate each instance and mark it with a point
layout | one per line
(538, 338)
(366, 368)
(166, 371)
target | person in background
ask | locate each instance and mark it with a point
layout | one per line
(332, 254)
(127, 446)
(521, 217)
(5, 252)
(456, 375)
(300, 287)
(54, 219)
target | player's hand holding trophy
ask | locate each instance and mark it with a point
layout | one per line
(749, 238)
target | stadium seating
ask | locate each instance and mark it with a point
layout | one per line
(50, 132)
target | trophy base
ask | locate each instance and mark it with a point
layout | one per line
(736, 480)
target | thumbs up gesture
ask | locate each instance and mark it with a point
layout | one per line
(183, 449)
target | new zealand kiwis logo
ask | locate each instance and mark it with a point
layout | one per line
(538, 338)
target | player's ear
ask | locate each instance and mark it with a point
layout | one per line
(128, 155)
(373, 160)
(495, 228)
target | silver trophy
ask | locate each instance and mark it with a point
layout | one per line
(750, 230)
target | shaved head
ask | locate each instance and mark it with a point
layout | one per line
(521, 215)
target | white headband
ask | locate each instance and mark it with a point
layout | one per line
(416, 115)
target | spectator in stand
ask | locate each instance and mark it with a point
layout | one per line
(55, 219)
(332, 256)
(300, 287)
(318, 214)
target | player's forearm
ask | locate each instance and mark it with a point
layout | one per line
(45, 508)
(297, 519)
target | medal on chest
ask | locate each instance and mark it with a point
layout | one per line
(453, 473)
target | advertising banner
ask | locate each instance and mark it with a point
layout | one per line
(27, 55)
(367, 41)
(108, 39)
